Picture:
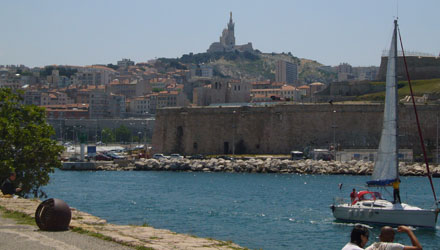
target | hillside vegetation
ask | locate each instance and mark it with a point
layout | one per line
(254, 66)
(420, 87)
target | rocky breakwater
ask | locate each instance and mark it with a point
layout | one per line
(274, 165)
(144, 237)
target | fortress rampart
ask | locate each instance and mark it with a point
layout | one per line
(419, 67)
(280, 129)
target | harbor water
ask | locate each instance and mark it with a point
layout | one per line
(257, 211)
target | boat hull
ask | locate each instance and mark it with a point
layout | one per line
(417, 218)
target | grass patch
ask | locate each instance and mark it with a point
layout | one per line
(89, 233)
(228, 244)
(143, 248)
(19, 217)
(420, 87)
(103, 237)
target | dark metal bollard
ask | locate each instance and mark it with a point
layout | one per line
(53, 215)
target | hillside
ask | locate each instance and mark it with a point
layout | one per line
(420, 87)
(255, 66)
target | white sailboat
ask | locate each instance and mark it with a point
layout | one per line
(369, 207)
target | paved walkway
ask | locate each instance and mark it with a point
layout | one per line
(17, 236)
(157, 239)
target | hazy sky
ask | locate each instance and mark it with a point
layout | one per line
(85, 32)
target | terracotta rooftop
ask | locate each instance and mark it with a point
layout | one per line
(288, 87)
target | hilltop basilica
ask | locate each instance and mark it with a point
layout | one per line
(227, 41)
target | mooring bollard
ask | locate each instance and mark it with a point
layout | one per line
(53, 215)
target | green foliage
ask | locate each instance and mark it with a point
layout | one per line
(112, 66)
(208, 57)
(63, 71)
(20, 218)
(157, 90)
(420, 87)
(25, 144)
(123, 134)
(177, 65)
(107, 135)
(104, 237)
(89, 233)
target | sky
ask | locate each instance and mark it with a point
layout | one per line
(86, 32)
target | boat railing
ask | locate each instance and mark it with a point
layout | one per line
(339, 200)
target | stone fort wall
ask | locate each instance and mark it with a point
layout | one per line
(418, 67)
(280, 129)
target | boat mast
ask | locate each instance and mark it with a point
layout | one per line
(417, 118)
(396, 102)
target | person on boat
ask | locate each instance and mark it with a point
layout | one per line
(8, 186)
(358, 238)
(387, 237)
(353, 195)
(396, 192)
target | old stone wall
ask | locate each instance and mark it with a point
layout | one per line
(418, 67)
(280, 129)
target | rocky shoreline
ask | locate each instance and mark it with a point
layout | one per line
(264, 165)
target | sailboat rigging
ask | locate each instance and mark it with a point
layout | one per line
(369, 206)
(428, 173)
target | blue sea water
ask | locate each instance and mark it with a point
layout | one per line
(257, 211)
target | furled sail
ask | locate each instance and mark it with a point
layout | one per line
(386, 164)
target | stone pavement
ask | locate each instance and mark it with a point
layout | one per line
(16, 236)
(158, 239)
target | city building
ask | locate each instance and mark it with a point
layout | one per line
(116, 106)
(125, 63)
(143, 87)
(167, 99)
(94, 75)
(138, 106)
(286, 93)
(203, 70)
(286, 72)
(97, 102)
(345, 72)
(125, 88)
(316, 87)
(67, 111)
(262, 85)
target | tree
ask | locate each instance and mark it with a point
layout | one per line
(107, 135)
(25, 144)
(123, 134)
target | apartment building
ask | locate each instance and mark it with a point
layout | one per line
(116, 105)
(125, 88)
(286, 92)
(94, 75)
(166, 99)
(97, 103)
(68, 111)
(286, 72)
(32, 97)
(139, 106)
(125, 63)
